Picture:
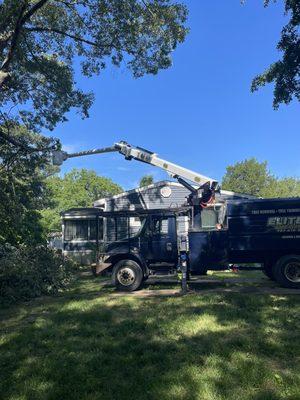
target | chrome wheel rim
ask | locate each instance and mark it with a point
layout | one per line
(292, 271)
(126, 276)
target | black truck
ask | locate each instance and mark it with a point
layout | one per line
(266, 231)
(263, 231)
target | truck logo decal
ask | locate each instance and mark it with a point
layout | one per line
(284, 224)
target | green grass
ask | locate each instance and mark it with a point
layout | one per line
(255, 274)
(91, 344)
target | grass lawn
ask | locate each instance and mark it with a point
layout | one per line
(92, 344)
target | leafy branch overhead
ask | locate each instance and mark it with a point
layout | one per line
(39, 40)
(285, 73)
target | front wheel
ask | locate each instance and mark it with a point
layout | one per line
(127, 275)
(287, 271)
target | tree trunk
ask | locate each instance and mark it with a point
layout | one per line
(3, 76)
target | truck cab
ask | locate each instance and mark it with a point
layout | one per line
(148, 237)
(154, 246)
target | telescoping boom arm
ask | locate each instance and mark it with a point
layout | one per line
(140, 154)
(146, 156)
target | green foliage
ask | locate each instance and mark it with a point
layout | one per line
(286, 187)
(40, 39)
(22, 194)
(247, 176)
(253, 177)
(28, 272)
(78, 188)
(146, 180)
(285, 73)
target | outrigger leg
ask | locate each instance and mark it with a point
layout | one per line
(184, 271)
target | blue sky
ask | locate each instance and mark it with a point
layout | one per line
(200, 113)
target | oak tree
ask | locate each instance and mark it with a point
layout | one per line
(285, 73)
(42, 40)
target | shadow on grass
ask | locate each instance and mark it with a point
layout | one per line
(80, 346)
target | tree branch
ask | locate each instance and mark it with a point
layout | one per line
(66, 34)
(33, 10)
(9, 139)
(5, 65)
(22, 18)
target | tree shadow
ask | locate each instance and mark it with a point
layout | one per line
(193, 347)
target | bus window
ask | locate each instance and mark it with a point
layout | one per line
(82, 229)
(76, 230)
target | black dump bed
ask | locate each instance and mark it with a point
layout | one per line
(263, 226)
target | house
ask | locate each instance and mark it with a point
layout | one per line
(164, 194)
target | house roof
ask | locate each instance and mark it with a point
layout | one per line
(101, 202)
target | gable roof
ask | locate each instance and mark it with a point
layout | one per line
(101, 202)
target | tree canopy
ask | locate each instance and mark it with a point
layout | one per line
(22, 190)
(39, 40)
(146, 180)
(285, 73)
(78, 188)
(253, 177)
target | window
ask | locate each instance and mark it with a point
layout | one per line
(76, 230)
(111, 229)
(80, 229)
(160, 226)
(122, 228)
(209, 218)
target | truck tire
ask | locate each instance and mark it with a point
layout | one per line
(268, 271)
(287, 271)
(127, 275)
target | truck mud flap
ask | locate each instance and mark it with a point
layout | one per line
(98, 268)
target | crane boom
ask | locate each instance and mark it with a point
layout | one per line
(143, 155)
(151, 158)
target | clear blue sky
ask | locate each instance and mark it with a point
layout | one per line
(200, 112)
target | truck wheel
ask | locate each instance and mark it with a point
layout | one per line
(287, 271)
(127, 275)
(268, 271)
